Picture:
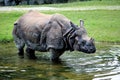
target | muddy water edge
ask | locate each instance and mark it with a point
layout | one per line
(104, 64)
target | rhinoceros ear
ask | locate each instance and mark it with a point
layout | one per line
(81, 23)
(73, 25)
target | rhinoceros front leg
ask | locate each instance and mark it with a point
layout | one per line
(55, 54)
(30, 53)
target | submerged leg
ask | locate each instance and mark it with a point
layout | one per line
(30, 53)
(55, 54)
(21, 52)
(18, 40)
(20, 45)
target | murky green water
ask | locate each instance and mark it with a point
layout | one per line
(103, 65)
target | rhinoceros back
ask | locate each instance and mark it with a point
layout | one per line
(32, 27)
(29, 27)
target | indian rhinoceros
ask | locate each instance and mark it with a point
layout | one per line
(54, 33)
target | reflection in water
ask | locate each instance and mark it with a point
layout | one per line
(103, 65)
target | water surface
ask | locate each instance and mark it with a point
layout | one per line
(103, 65)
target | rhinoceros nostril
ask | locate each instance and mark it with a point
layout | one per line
(93, 49)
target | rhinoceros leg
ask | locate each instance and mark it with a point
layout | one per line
(55, 54)
(21, 52)
(30, 53)
(20, 45)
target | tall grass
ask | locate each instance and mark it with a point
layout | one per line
(103, 25)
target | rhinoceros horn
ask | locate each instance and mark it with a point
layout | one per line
(81, 23)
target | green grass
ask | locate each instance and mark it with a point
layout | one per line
(6, 25)
(79, 4)
(103, 25)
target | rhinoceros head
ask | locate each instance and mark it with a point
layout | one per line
(82, 42)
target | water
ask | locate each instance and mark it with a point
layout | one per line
(103, 65)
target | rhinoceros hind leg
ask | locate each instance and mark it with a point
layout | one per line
(21, 52)
(30, 53)
(20, 45)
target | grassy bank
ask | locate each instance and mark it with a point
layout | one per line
(6, 25)
(103, 25)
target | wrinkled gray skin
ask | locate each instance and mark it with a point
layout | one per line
(54, 33)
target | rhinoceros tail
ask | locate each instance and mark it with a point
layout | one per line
(16, 36)
(14, 29)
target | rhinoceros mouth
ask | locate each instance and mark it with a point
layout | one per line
(90, 50)
(85, 49)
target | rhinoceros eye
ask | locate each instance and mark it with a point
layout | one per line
(83, 42)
